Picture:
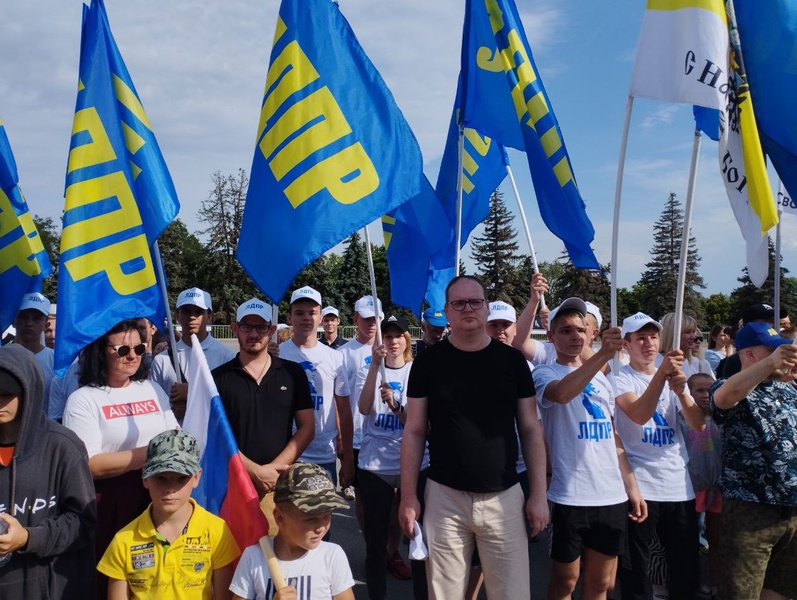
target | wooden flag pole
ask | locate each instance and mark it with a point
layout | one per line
(271, 561)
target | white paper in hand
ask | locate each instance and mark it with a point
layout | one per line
(418, 549)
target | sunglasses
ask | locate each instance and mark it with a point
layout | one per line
(123, 351)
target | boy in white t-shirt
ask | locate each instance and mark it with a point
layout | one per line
(304, 499)
(592, 483)
(649, 399)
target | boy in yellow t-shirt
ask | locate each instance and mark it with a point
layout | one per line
(175, 549)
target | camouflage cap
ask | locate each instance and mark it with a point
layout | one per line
(308, 488)
(172, 451)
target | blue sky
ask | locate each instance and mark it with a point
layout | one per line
(200, 69)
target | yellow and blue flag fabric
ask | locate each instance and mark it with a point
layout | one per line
(333, 154)
(414, 233)
(504, 98)
(682, 54)
(23, 260)
(483, 169)
(741, 161)
(119, 198)
(768, 31)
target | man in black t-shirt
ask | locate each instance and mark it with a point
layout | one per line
(263, 397)
(471, 391)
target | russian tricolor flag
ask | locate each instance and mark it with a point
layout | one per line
(224, 488)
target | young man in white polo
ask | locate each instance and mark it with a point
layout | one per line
(329, 387)
(649, 400)
(194, 313)
(592, 491)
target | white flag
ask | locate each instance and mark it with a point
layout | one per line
(785, 202)
(682, 54)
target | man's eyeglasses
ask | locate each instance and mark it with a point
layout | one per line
(261, 329)
(474, 303)
(124, 350)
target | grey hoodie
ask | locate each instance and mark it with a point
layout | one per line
(48, 487)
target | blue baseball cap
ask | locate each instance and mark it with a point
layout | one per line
(435, 317)
(758, 334)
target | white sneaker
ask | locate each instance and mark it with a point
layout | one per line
(348, 493)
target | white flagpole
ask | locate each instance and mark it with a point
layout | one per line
(460, 154)
(776, 274)
(156, 252)
(618, 192)
(690, 194)
(525, 225)
(372, 276)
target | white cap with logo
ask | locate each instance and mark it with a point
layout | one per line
(501, 311)
(595, 312)
(35, 301)
(637, 322)
(306, 293)
(256, 307)
(365, 307)
(330, 310)
(195, 297)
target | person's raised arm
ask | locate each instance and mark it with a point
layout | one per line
(525, 323)
(640, 409)
(572, 384)
(739, 386)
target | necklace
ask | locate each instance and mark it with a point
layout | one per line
(262, 371)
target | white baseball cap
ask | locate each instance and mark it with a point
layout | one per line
(637, 322)
(53, 308)
(574, 303)
(194, 297)
(256, 307)
(501, 311)
(306, 293)
(36, 301)
(595, 312)
(365, 307)
(330, 310)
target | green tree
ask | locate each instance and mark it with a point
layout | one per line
(353, 281)
(717, 309)
(495, 252)
(50, 235)
(659, 282)
(628, 302)
(584, 283)
(221, 275)
(184, 260)
(747, 294)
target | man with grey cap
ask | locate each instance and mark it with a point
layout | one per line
(433, 329)
(31, 323)
(194, 313)
(755, 410)
(264, 397)
(330, 321)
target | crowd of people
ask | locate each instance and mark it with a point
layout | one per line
(632, 449)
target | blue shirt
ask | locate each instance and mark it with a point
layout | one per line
(759, 445)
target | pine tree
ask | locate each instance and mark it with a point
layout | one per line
(746, 295)
(658, 284)
(353, 281)
(586, 284)
(51, 240)
(495, 252)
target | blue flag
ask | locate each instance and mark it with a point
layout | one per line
(334, 152)
(707, 120)
(768, 31)
(119, 198)
(505, 100)
(23, 260)
(415, 232)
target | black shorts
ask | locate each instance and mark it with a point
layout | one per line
(599, 528)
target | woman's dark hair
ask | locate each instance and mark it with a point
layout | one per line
(716, 330)
(94, 362)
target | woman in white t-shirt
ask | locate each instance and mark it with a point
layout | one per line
(384, 416)
(116, 412)
(688, 343)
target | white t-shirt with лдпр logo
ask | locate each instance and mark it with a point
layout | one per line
(580, 434)
(656, 450)
(114, 419)
(356, 357)
(324, 369)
